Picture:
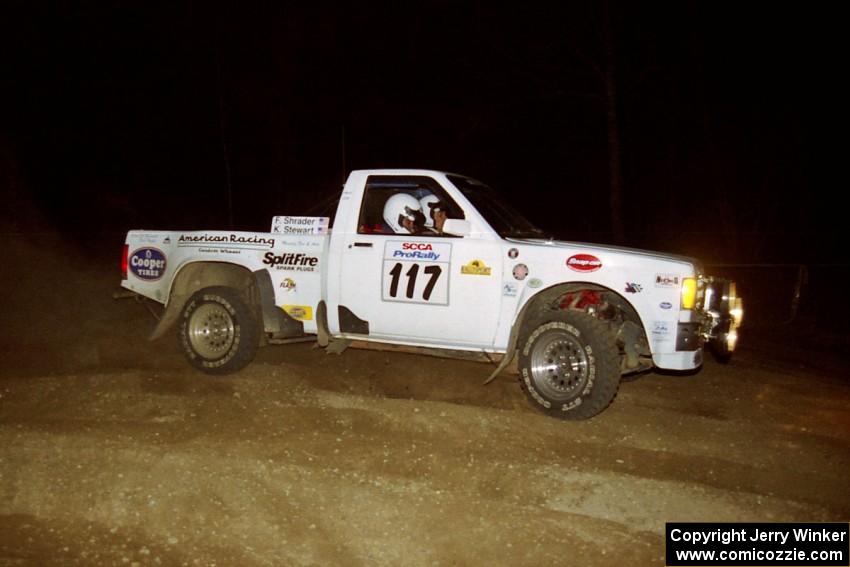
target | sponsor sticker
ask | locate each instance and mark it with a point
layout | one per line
(534, 283)
(417, 251)
(633, 287)
(300, 312)
(232, 240)
(416, 272)
(147, 238)
(291, 261)
(662, 331)
(148, 264)
(300, 225)
(667, 280)
(287, 284)
(510, 289)
(513, 253)
(475, 268)
(584, 263)
(665, 305)
(520, 272)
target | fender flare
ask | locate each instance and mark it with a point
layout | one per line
(256, 287)
(552, 293)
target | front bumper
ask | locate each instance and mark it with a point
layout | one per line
(723, 312)
(714, 321)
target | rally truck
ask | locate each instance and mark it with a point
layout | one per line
(436, 263)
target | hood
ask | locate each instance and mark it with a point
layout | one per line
(584, 246)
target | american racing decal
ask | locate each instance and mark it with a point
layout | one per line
(584, 263)
(475, 268)
(148, 264)
(291, 261)
(633, 288)
(666, 280)
(416, 272)
(250, 241)
(300, 312)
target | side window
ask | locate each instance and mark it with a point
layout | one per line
(405, 205)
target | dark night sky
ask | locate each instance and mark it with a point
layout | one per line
(115, 116)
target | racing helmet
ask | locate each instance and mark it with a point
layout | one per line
(403, 206)
(430, 203)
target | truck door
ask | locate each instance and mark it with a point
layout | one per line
(424, 288)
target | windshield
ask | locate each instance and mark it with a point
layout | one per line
(504, 219)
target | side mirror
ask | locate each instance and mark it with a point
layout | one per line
(457, 227)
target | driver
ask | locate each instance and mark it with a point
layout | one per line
(403, 213)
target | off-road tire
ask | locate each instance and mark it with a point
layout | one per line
(218, 331)
(720, 350)
(569, 364)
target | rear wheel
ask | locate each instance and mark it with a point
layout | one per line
(569, 364)
(218, 331)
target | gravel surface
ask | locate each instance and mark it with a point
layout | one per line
(115, 452)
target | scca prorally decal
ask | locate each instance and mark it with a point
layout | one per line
(295, 262)
(416, 251)
(148, 264)
(584, 263)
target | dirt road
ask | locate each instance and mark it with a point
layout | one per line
(115, 452)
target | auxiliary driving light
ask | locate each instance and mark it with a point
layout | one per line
(731, 340)
(737, 312)
(689, 293)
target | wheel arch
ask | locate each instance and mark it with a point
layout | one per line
(549, 296)
(195, 276)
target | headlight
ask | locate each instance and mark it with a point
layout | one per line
(689, 293)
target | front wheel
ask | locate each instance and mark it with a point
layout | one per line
(218, 331)
(569, 364)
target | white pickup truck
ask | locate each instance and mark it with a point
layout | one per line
(434, 262)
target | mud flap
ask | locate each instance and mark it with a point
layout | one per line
(276, 322)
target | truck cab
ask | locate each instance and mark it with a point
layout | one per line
(428, 288)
